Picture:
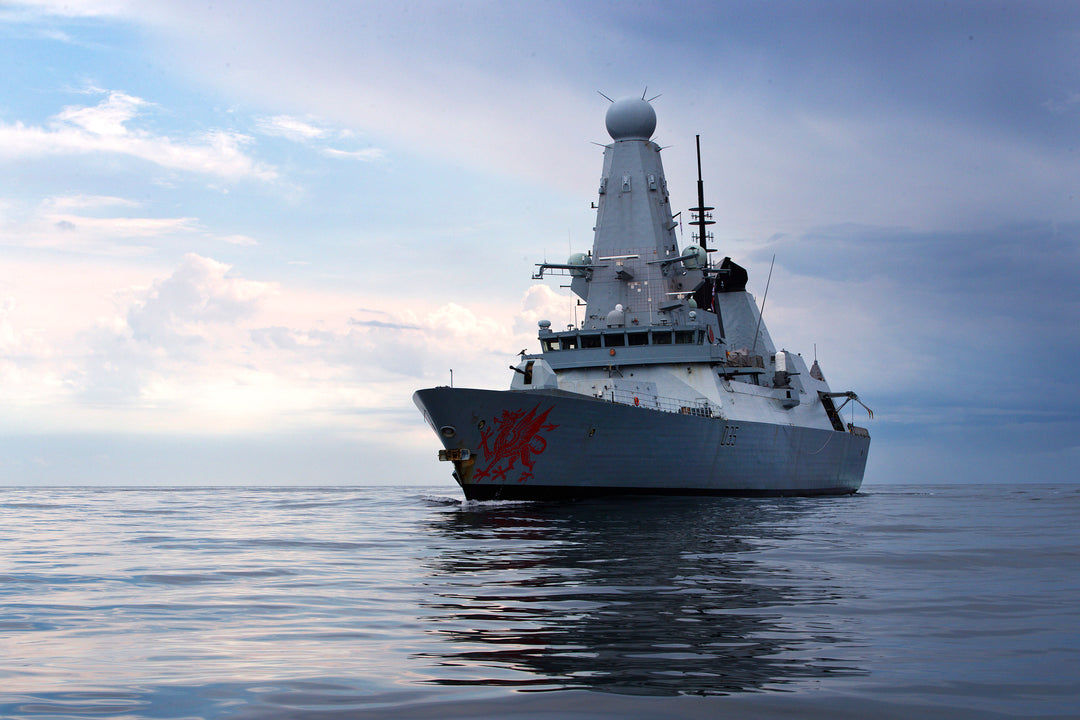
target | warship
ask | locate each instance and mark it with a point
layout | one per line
(670, 384)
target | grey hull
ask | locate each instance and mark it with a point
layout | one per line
(554, 444)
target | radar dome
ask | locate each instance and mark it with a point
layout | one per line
(617, 317)
(695, 257)
(578, 259)
(630, 119)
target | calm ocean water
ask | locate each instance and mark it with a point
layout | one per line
(946, 601)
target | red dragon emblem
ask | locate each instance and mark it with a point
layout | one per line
(515, 436)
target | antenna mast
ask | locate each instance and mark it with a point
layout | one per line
(702, 216)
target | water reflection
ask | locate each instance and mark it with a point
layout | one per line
(651, 596)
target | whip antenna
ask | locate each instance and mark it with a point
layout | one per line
(763, 299)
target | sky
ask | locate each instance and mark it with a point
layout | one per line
(236, 236)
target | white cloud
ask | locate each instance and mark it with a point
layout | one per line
(540, 302)
(202, 349)
(170, 347)
(366, 154)
(1064, 104)
(105, 119)
(79, 8)
(79, 202)
(105, 128)
(291, 128)
(199, 292)
(121, 227)
(86, 224)
(46, 308)
(307, 132)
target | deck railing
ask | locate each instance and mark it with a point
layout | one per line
(700, 408)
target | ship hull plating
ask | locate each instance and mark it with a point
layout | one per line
(555, 444)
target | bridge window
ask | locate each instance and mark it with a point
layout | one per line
(590, 341)
(550, 344)
(568, 342)
(614, 340)
(637, 338)
(661, 337)
(684, 337)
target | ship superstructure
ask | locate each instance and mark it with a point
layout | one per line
(670, 384)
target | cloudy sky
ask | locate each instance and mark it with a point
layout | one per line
(235, 236)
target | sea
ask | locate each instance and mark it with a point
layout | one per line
(929, 601)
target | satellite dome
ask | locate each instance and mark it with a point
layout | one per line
(695, 257)
(630, 119)
(578, 259)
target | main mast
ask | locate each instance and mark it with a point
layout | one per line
(702, 216)
(636, 274)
